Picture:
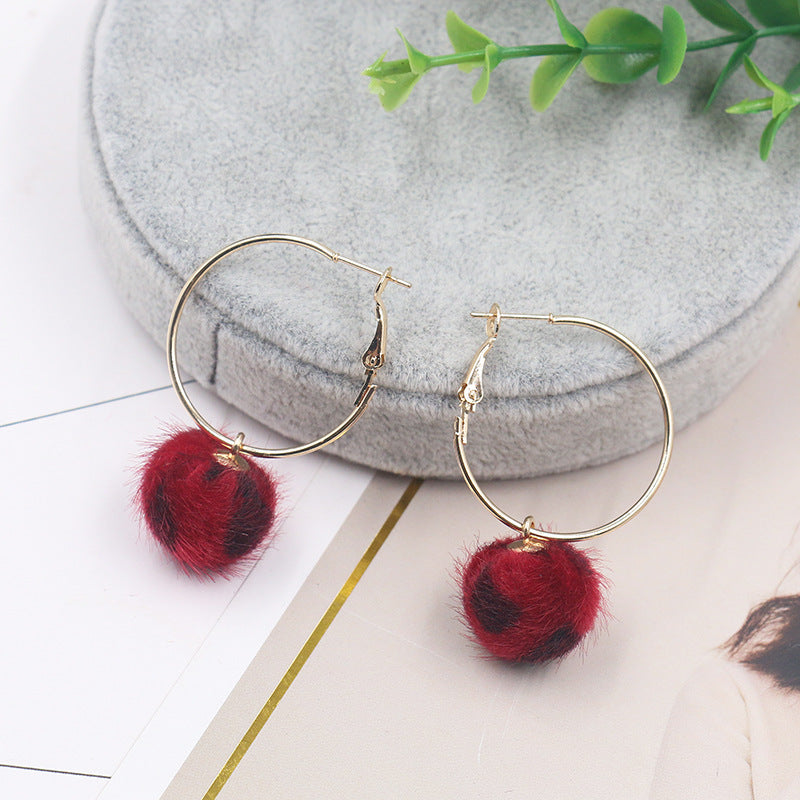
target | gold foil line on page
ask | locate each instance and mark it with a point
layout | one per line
(313, 640)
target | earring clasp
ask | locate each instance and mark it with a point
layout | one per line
(471, 391)
(375, 355)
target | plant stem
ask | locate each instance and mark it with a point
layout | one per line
(386, 69)
(720, 41)
(778, 30)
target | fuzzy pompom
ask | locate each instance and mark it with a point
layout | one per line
(531, 606)
(206, 514)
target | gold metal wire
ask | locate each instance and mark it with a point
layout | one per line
(471, 393)
(372, 359)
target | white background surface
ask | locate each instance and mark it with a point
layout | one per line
(97, 624)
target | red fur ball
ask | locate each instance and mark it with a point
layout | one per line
(205, 514)
(530, 606)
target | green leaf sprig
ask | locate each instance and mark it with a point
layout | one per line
(616, 46)
(780, 104)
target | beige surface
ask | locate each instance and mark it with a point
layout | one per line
(272, 661)
(395, 702)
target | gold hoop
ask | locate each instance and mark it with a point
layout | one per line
(471, 393)
(372, 359)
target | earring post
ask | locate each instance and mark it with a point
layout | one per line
(371, 270)
(488, 315)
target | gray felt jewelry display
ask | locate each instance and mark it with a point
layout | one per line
(207, 123)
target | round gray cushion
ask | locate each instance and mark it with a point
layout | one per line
(206, 123)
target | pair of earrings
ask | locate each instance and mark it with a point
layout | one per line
(528, 597)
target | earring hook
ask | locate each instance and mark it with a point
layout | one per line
(372, 359)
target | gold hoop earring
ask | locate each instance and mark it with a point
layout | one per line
(205, 502)
(533, 597)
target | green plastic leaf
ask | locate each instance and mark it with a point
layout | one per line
(618, 26)
(775, 12)
(758, 77)
(464, 38)
(491, 59)
(792, 80)
(673, 46)
(723, 15)
(768, 137)
(392, 90)
(551, 74)
(734, 62)
(781, 99)
(375, 66)
(780, 102)
(571, 34)
(481, 87)
(417, 60)
(750, 106)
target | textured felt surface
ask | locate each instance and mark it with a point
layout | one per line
(208, 123)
